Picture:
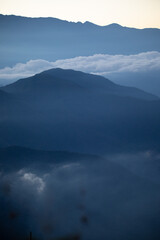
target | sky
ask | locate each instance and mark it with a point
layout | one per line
(131, 13)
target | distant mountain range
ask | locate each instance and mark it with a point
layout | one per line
(25, 38)
(74, 111)
(79, 154)
(15, 158)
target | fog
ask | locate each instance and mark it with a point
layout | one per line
(101, 64)
(114, 197)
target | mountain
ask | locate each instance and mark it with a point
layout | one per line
(25, 38)
(148, 81)
(73, 111)
(3, 95)
(69, 80)
(53, 126)
(14, 158)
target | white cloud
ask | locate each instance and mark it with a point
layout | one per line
(34, 180)
(102, 64)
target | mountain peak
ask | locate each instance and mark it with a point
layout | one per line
(114, 25)
(67, 80)
(91, 24)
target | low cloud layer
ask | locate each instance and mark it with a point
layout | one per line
(102, 64)
(83, 200)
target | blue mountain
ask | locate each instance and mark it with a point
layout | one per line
(25, 38)
(74, 111)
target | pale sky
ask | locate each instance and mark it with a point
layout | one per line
(131, 13)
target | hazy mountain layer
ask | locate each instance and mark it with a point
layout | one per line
(147, 80)
(24, 38)
(68, 110)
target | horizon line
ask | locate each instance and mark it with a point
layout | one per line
(85, 22)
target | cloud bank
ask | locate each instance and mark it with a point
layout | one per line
(83, 200)
(102, 64)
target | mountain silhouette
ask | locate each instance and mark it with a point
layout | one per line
(15, 158)
(25, 38)
(59, 80)
(74, 111)
(67, 137)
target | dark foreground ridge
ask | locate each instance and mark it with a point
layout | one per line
(71, 196)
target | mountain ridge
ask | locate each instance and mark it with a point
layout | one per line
(50, 39)
(77, 118)
(79, 80)
(74, 22)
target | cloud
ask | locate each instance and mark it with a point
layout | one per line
(82, 198)
(102, 64)
(34, 180)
